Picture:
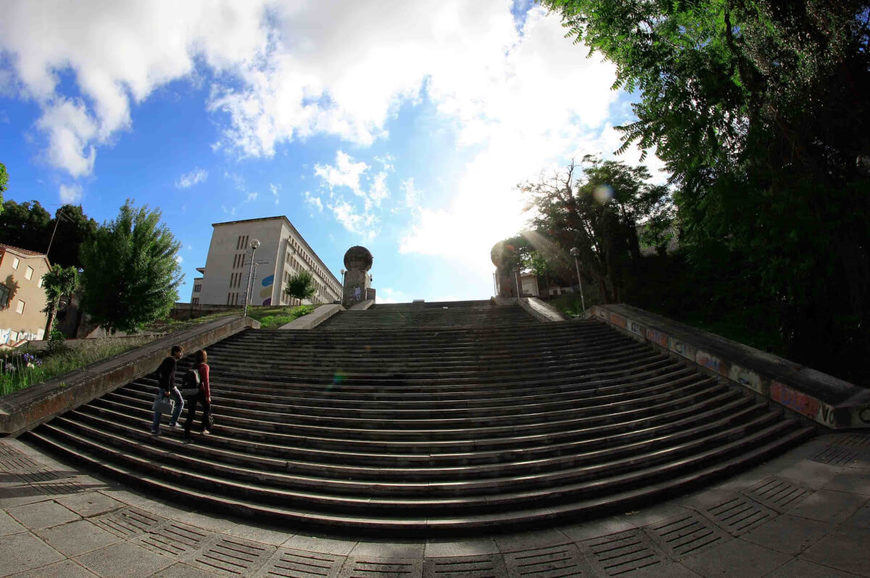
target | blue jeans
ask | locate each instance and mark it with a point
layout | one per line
(179, 405)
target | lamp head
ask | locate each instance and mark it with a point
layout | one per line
(575, 252)
(255, 244)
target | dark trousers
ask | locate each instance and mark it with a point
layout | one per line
(191, 412)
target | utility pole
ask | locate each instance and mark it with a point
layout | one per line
(575, 252)
(255, 243)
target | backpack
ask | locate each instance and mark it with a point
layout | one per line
(190, 383)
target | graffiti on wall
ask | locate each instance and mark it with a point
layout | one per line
(795, 400)
(618, 320)
(657, 337)
(711, 362)
(266, 290)
(636, 328)
(746, 377)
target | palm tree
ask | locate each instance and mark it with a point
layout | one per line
(59, 282)
(301, 285)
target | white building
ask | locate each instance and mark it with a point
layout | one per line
(282, 253)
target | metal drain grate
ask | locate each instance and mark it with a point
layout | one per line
(361, 568)
(778, 494)
(686, 535)
(128, 522)
(835, 456)
(234, 556)
(301, 564)
(853, 441)
(623, 553)
(740, 515)
(174, 539)
(548, 562)
(465, 567)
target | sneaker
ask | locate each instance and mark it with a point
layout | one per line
(205, 432)
(174, 426)
(155, 433)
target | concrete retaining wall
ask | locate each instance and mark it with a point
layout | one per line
(822, 398)
(30, 407)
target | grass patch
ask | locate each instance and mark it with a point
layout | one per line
(275, 317)
(23, 368)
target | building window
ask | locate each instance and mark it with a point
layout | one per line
(4, 296)
(197, 287)
(20, 308)
(195, 300)
(15, 262)
(28, 274)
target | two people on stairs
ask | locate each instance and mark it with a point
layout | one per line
(168, 390)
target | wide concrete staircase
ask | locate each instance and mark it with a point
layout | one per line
(388, 421)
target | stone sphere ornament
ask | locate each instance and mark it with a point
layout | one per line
(358, 258)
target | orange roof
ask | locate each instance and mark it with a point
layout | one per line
(19, 250)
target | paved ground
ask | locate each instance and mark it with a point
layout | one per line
(804, 514)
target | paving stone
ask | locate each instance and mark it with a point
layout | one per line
(42, 514)
(738, 515)
(8, 525)
(849, 482)
(77, 537)
(827, 506)
(622, 553)
(90, 504)
(547, 562)
(789, 534)
(686, 534)
(267, 535)
(528, 540)
(844, 549)
(21, 493)
(175, 539)
(231, 556)
(24, 551)
(129, 522)
(182, 570)
(778, 494)
(473, 547)
(124, 560)
(605, 527)
(388, 550)
(806, 569)
(737, 558)
(810, 474)
(322, 545)
(860, 518)
(64, 569)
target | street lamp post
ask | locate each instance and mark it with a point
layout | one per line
(575, 252)
(254, 245)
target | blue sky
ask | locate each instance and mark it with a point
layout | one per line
(400, 126)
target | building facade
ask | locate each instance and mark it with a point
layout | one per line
(22, 298)
(282, 252)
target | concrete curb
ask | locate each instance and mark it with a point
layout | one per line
(26, 409)
(363, 305)
(814, 395)
(314, 318)
(540, 310)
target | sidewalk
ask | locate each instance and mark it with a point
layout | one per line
(806, 513)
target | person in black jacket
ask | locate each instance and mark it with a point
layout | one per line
(166, 388)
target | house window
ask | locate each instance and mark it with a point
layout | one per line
(197, 288)
(4, 296)
(20, 308)
(15, 262)
(28, 274)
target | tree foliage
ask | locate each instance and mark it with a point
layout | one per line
(597, 207)
(29, 226)
(760, 111)
(301, 285)
(58, 283)
(130, 274)
(4, 183)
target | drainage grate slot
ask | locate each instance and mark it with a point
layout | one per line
(778, 494)
(835, 456)
(464, 567)
(358, 568)
(686, 535)
(174, 539)
(740, 515)
(549, 562)
(128, 522)
(623, 553)
(234, 556)
(300, 564)
(853, 440)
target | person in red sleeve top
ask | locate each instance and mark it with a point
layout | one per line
(203, 397)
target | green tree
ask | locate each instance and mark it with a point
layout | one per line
(58, 283)
(131, 274)
(25, 225)
(71, 228)
(300, 285)
(760, 111)
(597, 207)
(4, 183)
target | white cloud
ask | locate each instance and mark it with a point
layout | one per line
(412, 194)
(356, 212)
(70, 194)
(179, 259)
(275, 189)
(313, 201)
(252, 196)
(194, 177)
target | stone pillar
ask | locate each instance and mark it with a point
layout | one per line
(357, 281)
